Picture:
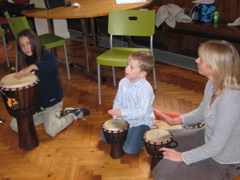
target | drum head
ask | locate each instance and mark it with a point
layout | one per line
(114, 124)
(157, 135)
(8, 82)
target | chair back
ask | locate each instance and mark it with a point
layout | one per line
(131, 22)
(17, 24)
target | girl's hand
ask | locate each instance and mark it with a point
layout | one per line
(115, 112)
(25, 71)
(171, 154)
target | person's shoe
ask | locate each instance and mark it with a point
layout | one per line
(77, 112)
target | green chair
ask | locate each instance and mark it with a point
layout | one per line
(2, 33)
(17, 24)
(126, 23)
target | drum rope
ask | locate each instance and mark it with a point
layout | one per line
(25, 98)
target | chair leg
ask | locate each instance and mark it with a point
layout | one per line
(16, 58)
(154, 78)
(66, 58)
(99, 85)
(5, 49)
(114, 76)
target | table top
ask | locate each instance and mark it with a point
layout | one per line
(88, 9)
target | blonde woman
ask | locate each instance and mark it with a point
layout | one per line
(211, 152)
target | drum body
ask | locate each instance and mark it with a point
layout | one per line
(115, 132)
(26, 92)
(156, 139)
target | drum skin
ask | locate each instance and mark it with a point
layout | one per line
(26, 92)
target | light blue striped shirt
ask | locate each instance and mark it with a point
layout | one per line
(135, 102)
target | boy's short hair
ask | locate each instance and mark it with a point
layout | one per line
(145, 59)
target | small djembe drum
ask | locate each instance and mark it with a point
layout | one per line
(156, 139)
(115, 132)
(21, 99)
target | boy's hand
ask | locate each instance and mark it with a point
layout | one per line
(115, 112)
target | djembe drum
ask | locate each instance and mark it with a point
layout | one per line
(156, 139)
(21, 99)
(115, 132)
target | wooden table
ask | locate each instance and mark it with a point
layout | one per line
(88, 9)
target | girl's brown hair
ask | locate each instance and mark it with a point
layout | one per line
(36, 46)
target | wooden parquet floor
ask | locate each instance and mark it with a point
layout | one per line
(77, 152)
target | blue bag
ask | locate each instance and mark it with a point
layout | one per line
(203, 12)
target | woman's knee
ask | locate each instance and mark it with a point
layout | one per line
(165, 168)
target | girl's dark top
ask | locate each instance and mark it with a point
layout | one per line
(50, 87)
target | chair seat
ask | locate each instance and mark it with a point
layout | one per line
(119, 54)
(51, 41)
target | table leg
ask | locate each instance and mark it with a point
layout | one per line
(87, 70)
(85, 38)
(93, 31)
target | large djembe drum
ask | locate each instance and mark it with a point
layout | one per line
(115, 132)
(156, 139)
(21, 99)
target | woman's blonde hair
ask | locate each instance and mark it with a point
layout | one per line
(224, 59)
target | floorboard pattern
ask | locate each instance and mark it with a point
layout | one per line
(77, 152)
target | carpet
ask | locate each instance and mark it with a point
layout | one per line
(161, 56)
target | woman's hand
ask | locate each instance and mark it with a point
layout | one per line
(25, 71)
(164, 117)
(115, 112)
(171, 154)
(167, 119)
